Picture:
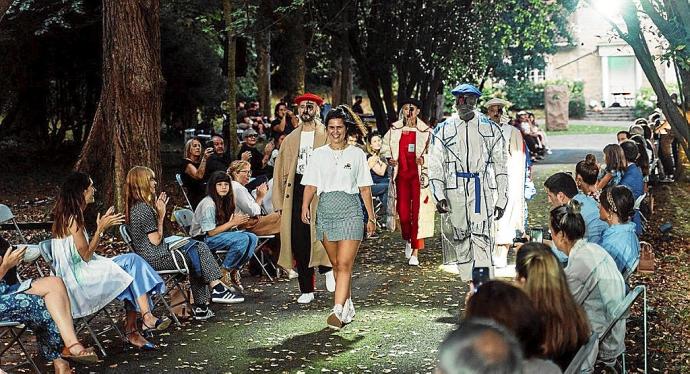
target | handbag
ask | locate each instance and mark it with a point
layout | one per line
(646, 258)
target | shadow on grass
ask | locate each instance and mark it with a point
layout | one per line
(308, 349)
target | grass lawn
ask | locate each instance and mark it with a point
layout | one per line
(586, 129)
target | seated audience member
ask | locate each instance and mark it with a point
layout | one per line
(93, 281)
(193, 170)
(633, 178)
(622, 136)
(276, 150)
(258, 160)
(284, 122)
(586, 172)
(479, 346)
(511, 307)
(256, 120)
(593, 278)
(379, 171)
(612, 174)
(245, 203)
(541, 135)
(643, 156)
(43, 306)
(145, 214)
(214, 220)
(219, 160)
(565, 323)
(619, 239)
(561, 189)
(531, 140)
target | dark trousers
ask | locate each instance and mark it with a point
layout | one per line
(301, 241)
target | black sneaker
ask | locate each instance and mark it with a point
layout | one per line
(226, 297)
(202, 313)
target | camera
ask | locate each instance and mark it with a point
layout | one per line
(480, 275)
(209, 143)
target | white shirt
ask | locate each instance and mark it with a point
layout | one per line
(343, 170)
(306, 147)
(244, 201)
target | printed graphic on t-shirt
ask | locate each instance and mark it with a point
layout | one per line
(303, 157)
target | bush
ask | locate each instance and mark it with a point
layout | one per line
(645, 102)
(577, 107)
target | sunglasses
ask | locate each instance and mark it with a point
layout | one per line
(469, 100)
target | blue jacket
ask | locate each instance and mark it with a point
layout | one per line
(621, 242)
(634, 181)
(590, 212)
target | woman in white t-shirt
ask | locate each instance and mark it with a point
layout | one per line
(339, 174)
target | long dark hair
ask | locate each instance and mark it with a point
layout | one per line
(643, 159)
(567, 218)
(225, 205)
(70, 203)
(353, 124)
(618, 199)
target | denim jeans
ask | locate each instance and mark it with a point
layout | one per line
(239, 244)
(380, 190)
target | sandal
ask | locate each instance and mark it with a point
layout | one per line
(161, 325)
(146, 347)
(85, 356)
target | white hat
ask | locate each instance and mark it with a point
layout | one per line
(497, 101)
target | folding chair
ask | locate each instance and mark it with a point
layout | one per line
(629, 271)
(585, 356)
(83, 322)
(636, 208)
(178, 178)
(184, 218)
(173, 277)
(623, 311)
(32, 251)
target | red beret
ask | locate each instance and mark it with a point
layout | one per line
(310, 97)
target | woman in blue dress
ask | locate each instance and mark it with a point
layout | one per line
(42, 305)
(93, 281)
(619, 239)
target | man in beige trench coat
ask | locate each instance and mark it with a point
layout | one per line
(299, 247)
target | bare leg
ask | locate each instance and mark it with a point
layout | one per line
(147, 316)
(133, 335)
(414, 252)
(53, 291)
(61, 366)
(346, 253)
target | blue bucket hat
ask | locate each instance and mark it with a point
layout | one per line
(466, 88)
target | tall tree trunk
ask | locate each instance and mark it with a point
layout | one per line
(296, 50)
(263, 76)
(126, 127)
(263, 50)
(342, 82)
(635, 38)
(231, 136)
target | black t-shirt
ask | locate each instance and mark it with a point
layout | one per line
(288, 126)
(255, 161)
(196, 189)
(217, 163)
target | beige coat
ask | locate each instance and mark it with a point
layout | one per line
(283, 181)
(390, 149)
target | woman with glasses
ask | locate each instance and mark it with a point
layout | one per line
(339, 175)
(245, 203)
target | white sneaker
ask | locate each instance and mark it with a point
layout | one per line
(334, 319)
(414, 261)
(408, 250)
(330, 281)
(306, 298)
(292, 274)
(348, 313)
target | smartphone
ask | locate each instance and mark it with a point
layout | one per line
(536, 235)
(480, 275)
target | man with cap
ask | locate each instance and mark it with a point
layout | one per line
(513, 219)
(406, 145)
(298, 242)
(257, 159)
(468, 177)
